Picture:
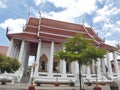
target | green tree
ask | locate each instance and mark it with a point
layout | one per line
(8, 64)
(94, 53)
(80, 49)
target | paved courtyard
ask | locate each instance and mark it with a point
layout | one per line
(46, 87)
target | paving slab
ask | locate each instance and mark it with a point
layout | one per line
(46, 87)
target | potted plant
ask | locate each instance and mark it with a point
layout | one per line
(31, 87)
(3, 81)
(56, 83)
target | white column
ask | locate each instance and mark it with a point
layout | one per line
(98, 68)
(64, 68)
(20, 58)
(93, 67)
(50, 69)
(14, 50)
(38, 56)
(17, 53)
(76, 68)
(116, 63)
(88, 72)
(109, 64)
(103, 69)
(10, 48)
(26, 55)
(84, 69)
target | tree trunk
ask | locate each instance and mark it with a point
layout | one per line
(80, 76)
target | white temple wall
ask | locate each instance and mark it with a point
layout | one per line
(45, 49)
(22, 54)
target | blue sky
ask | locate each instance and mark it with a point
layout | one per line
(103, 15)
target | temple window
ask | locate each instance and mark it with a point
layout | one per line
(43, 63)
(43, 66)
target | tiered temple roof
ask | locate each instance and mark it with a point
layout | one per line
(58, 31)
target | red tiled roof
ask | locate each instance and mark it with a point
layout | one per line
(3, 50)
(24, 36)
(33, 21)
(48, 29)
(62, 25)
(108, 47)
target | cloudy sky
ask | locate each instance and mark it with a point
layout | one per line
(102, 15)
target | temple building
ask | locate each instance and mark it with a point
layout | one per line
(41, 37)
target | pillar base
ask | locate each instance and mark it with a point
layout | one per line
(31, 87)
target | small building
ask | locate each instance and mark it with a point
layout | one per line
(41, 37)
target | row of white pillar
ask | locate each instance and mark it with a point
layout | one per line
(21, 54)
(101, 66)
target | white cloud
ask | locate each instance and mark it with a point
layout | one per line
(108, 34)
(63, 3)
(13, 25)
(106, 13)
(112, 42)
(31, 60)
(73, 9)
(37, 2)
(117, 26)
(101, 1)
(2, 5)
(114, 27)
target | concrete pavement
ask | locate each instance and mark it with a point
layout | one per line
(46, 87)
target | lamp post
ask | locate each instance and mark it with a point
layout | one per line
(32, 87)
(96, 87)
(57, 83)
(34, 65)
(96, 74)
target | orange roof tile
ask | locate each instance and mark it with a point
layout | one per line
(58, 31)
